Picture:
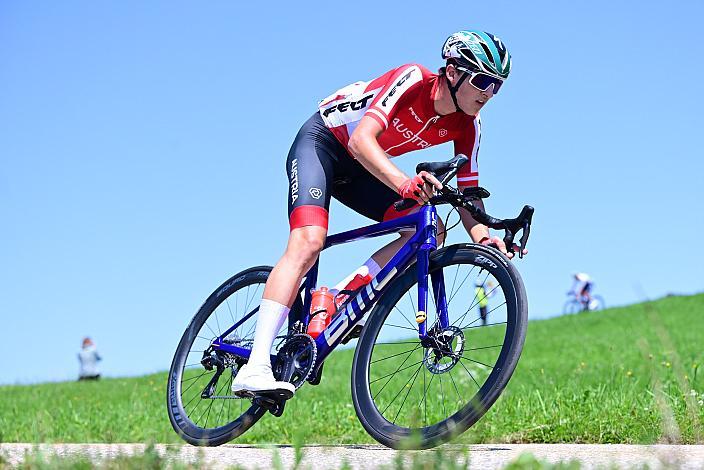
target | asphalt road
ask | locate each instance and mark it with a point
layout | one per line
(485, 456)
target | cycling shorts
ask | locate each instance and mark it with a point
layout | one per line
(318, 167)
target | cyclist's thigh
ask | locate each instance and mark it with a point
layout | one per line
(364, 193)
(310, 169)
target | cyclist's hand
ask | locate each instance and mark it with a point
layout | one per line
(421, 187)
(497, 242)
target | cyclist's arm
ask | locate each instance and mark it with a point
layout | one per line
(477, 232)
(364, 147)
(468, 144)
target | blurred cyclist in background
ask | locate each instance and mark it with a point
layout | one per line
(581, 288)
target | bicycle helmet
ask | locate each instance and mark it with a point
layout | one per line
(478, 51)
(475, 51)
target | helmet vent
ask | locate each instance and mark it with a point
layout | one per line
(488, 52)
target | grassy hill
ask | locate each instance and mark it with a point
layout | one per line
(625, 375)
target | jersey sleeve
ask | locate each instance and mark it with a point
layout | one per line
(399, 85)
(467, 144)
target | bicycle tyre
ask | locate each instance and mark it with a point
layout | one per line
(600, 304)
(179, 417)
(403, 437)
(572, 306)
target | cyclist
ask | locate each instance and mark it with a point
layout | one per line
(581, 289)
(344, 150)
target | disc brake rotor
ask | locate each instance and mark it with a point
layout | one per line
(449, 346)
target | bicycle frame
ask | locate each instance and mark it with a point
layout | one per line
(419, 246)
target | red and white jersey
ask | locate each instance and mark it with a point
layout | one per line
(401, 101)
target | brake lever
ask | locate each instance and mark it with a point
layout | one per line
(527, 216)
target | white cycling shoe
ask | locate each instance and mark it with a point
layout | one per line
(254, 380)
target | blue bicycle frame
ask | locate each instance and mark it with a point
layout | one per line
(420, 245)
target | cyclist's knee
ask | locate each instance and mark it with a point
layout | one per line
(305, 243)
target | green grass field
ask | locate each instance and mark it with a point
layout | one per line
(625, 375)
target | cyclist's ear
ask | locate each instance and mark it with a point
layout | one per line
(452, 73)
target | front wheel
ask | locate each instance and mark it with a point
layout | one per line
(597, 303)
(413, 394)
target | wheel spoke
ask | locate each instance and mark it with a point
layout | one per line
(452, 295)
(412, 304)
(395, 372)
(476, 362)
(472, 304)
(424, 401)
(402, 327)
(459, 397)
(393, 355)
(232, 317)
(467, 327)
(407, 392)
(395, 343)
(483, 347)
(470, 374)
(405, 318)
(442, 392)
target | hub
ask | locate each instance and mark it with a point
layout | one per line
(446, 350)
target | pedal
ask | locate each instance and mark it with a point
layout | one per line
(243, 394)
(274, 401)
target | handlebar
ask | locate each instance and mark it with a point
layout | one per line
(452, 196)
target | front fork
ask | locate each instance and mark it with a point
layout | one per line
(429, 245)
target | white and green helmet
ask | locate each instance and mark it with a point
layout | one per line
(478, 51)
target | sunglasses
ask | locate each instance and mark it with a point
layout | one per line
(482, 81)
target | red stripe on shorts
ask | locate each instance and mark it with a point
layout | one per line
(303, 216)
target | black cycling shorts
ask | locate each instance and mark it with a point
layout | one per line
(319, 166)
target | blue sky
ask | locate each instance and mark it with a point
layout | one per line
(142, 151)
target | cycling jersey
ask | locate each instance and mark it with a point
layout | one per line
(401, 101)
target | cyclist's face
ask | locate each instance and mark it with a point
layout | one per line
(469, 98)
(472, 100)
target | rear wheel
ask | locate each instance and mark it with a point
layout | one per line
(201, 406)
(413, 394)
(572, 306)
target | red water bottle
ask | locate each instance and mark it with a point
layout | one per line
(355, 284)
(322, 308)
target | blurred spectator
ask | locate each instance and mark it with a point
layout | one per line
(482, 295)
(88, 359)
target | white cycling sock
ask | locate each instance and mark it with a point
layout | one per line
(270, 319)
(369, 267)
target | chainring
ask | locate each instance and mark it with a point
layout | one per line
(296, 359)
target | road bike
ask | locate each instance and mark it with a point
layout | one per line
(423, 370)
